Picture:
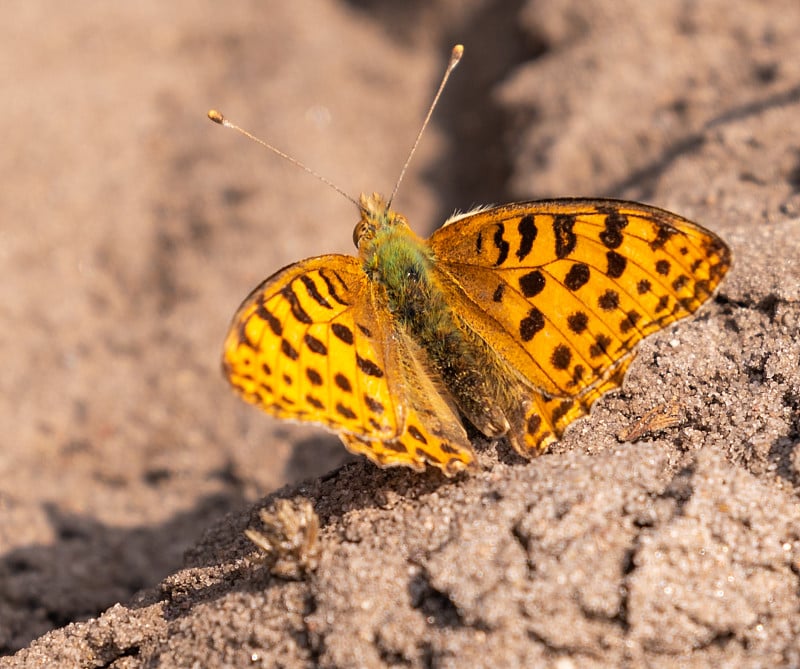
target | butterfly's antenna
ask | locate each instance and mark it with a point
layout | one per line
(217, 117)
(455, 56)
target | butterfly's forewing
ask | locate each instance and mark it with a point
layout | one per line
(311, 343)
(306, 344)
(565, 289)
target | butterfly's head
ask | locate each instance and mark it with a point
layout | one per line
(375, 217)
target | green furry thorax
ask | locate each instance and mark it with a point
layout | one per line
(394, 257)
(401, 263)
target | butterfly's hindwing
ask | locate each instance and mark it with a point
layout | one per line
(433, 433)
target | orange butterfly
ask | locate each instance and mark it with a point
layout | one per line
(515, 318)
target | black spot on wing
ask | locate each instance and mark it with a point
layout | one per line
(313, 293)
(561, 357)
(342, 382)
(343, 333)
(616, 264)
(680, 282)
(532, 283)
(577, 322)
(630, 321)
(374, 405)
(577, 277)
(702, 289)
(396, 446)
(527, 233)
(501, 245)
(297, 309)
(498, 292)
(345, 412)
(561, 410)
(600, 346)
(315, 345)
(421, 452)
(663, 234)
(288, 350)
(333, 288)
(314, 402)
(264, 314)
(531, 324)
(368, 367)
(566, 239)
(611, 236)
(241, 335)
(609, 300)
(414, 432)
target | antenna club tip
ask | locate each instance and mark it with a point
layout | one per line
(455, 55)
(216, 116)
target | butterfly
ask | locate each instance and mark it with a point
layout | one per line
(514, 319)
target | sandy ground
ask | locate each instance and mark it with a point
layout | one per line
(132, 228)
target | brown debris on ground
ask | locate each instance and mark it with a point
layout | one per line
(129, 472)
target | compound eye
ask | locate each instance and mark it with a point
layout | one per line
(358, 232)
